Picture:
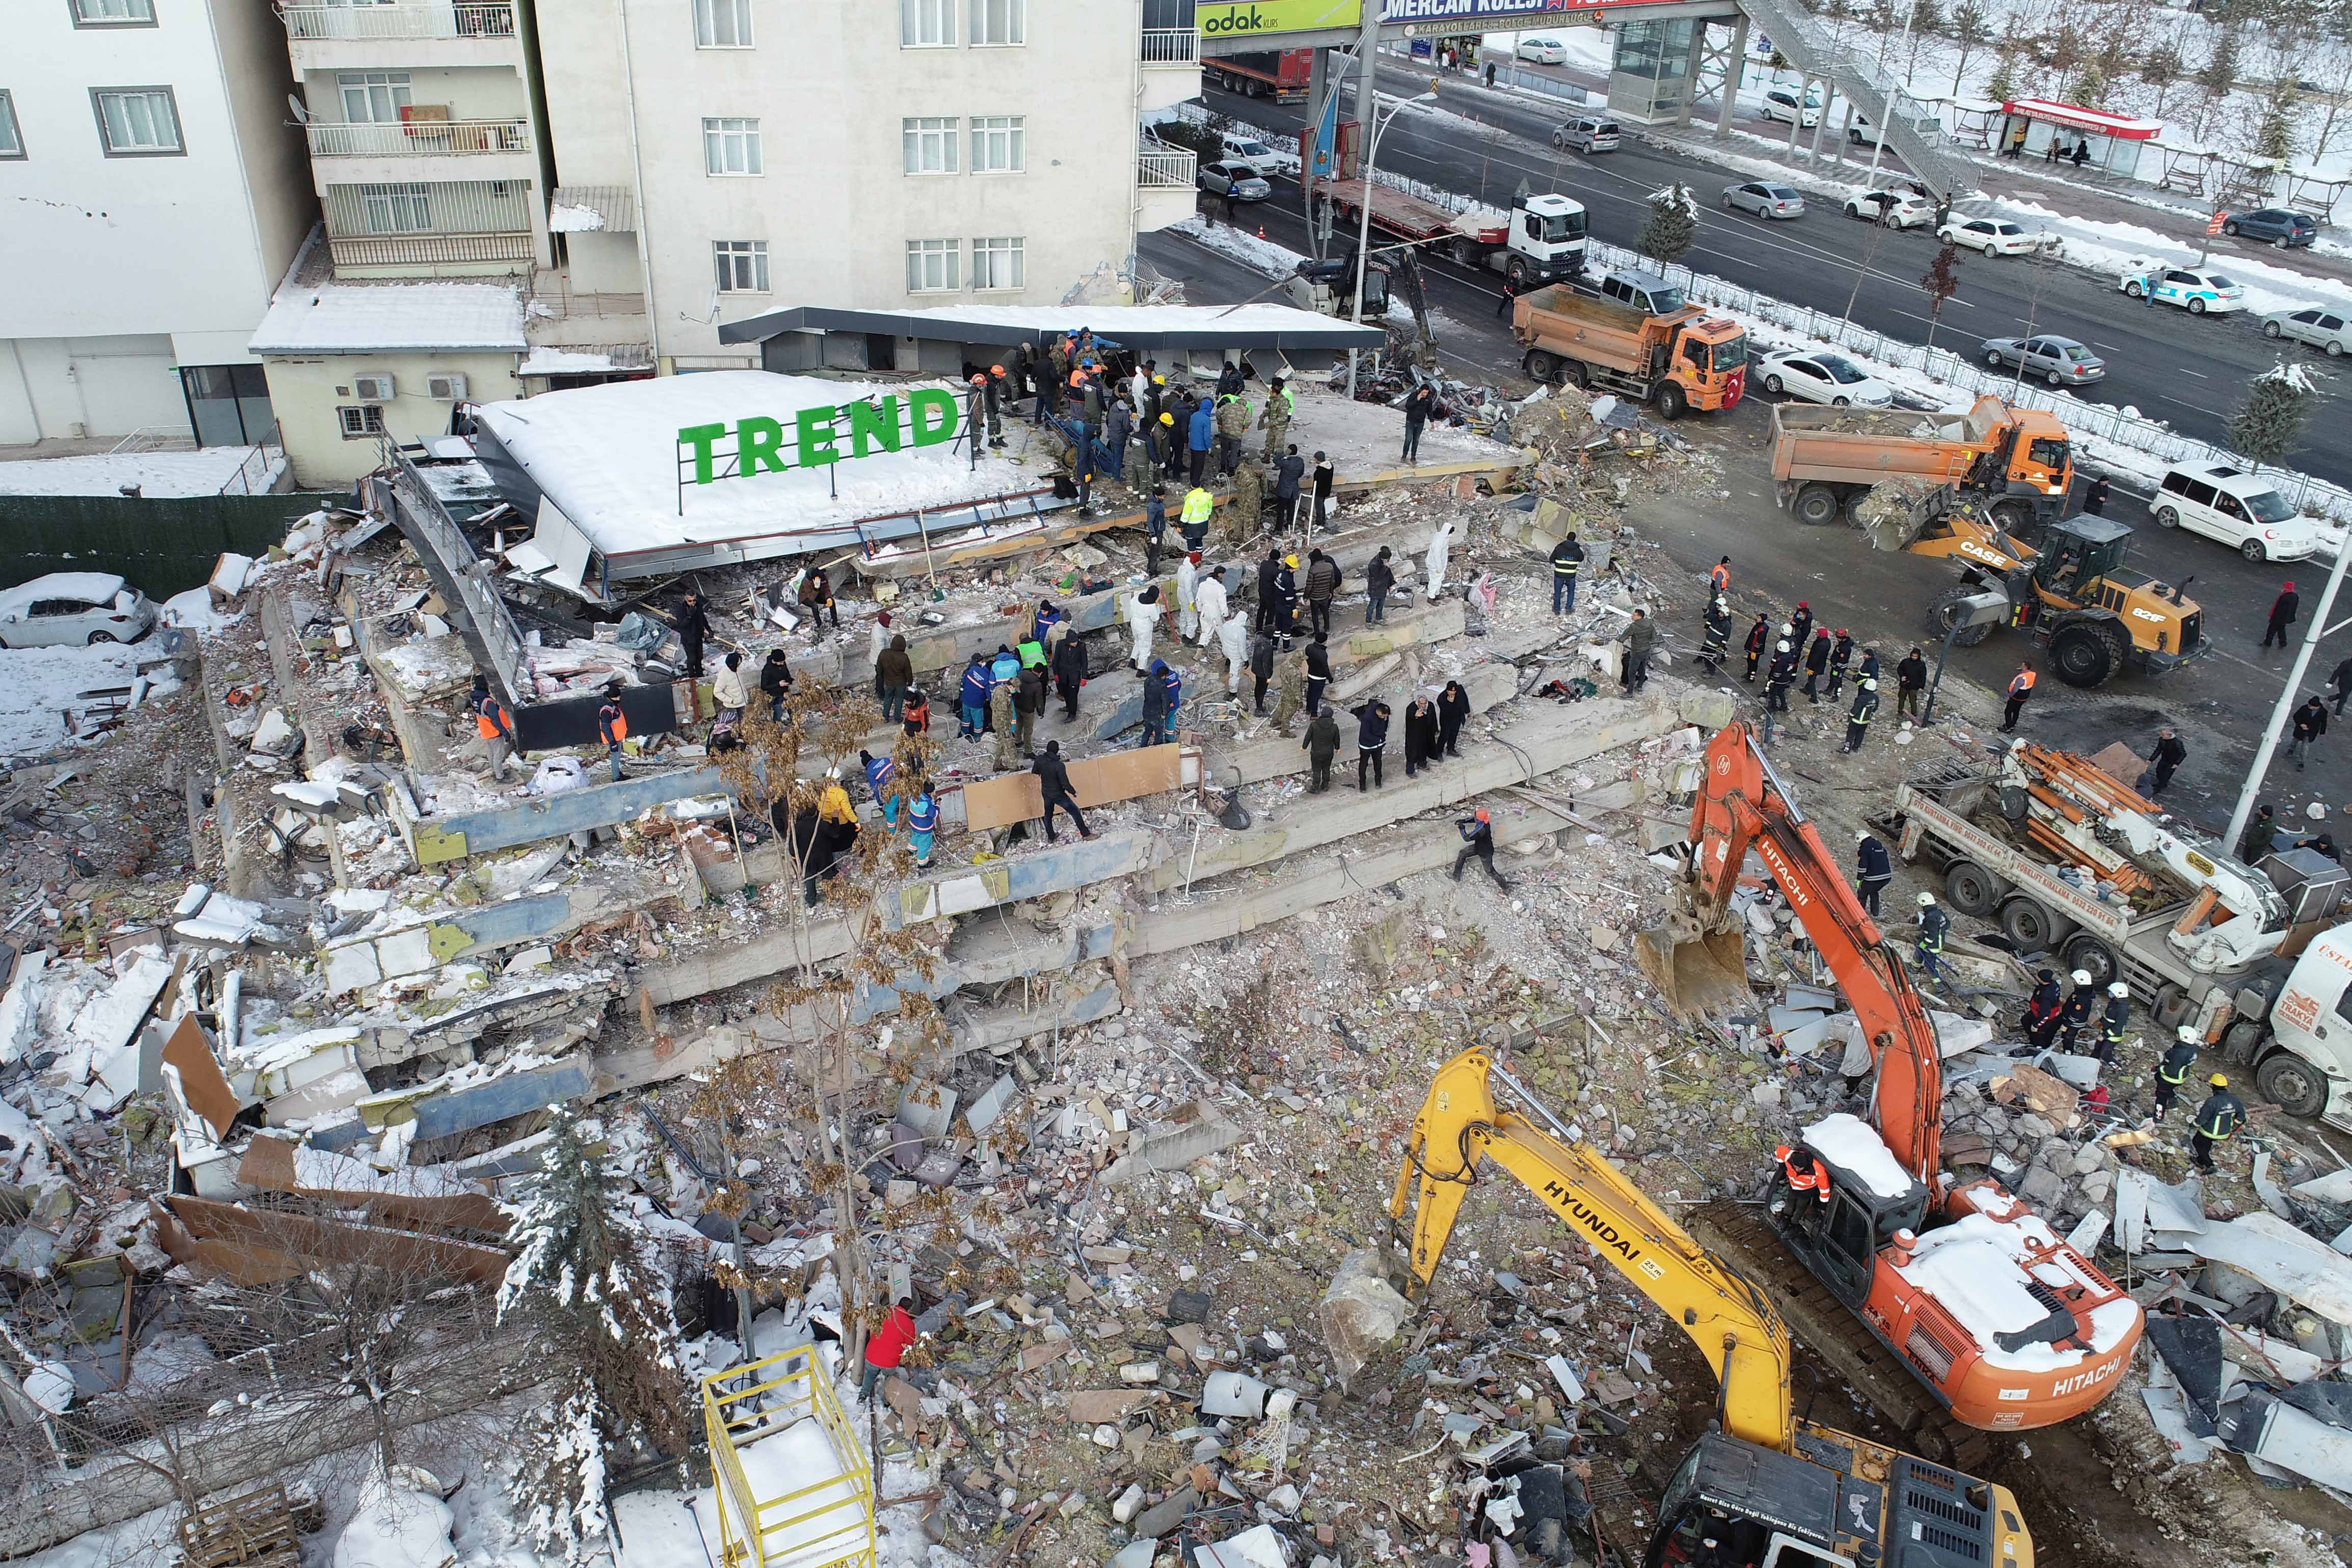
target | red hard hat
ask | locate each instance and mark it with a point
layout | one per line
(1482, 815)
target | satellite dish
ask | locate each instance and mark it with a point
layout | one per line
(301, 111)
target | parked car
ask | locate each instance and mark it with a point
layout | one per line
(1587, 133)
(1545, 52)
(2281, 228)
(2060, 361)
(1237, 180)
(1645, 292)
(2329, 330)
(1781, 103)
(2197, 291)
(73, 608)
(1993, 236)
(1823, 377)
(2239, 509)
(1764, 199)
(1263, 161)
(1895, 209)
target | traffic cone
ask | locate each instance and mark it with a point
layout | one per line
(1261, 231)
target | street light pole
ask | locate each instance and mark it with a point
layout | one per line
(1364, 202)
(2285, 704)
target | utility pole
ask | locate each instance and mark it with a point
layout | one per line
(1367, 103)
(2286, 703)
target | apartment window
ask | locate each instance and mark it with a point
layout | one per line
(731, 146)
(11, 143)
(927, 24)
(998, 22)
(137, 122)
(929, 145)
(360, 422)
(372, 98)
(113, 12)
(395, 209)
(996, 144)
(933, 266)
(722, 23)
(996, 263)
(742, 264)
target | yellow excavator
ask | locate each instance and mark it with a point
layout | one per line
(1765, 1489)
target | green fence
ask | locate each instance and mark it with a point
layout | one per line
(163, 545)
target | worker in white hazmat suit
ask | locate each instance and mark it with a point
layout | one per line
(1142, 615)
(1434, 566)
(1188, 584)
(1233, 636)
(1209, 600)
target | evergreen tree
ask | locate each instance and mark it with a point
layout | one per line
(2161, 70)
(2220, 71)
(1670, 227)
(587, 1275)
(2268, 424)
(2274, 137)
(1967, 28)
(2001, 86)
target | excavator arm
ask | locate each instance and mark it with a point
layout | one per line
(1743, 805)
(1728, 1317)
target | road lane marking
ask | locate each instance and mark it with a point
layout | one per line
(2197, 374)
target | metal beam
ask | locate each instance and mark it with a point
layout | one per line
(453, 837)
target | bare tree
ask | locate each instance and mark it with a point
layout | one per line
(1967, 28)
(1942, 282)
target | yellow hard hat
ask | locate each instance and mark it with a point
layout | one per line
(2220, 1080)
(1167, 419)
(1290, 561)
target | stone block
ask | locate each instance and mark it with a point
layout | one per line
(1361, 1312)
(1163, 1517)
(1708, 709)
(409, 951)
(1128, 1503)
(350, 965)
(2042, 1187)
(928, 1109)
(1174, 1147)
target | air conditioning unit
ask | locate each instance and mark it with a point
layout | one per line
(446, 386)
(372, 388)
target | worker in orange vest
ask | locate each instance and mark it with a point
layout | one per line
(1805, 1174)
(1720, 578)
(613, 728)
(493, 728)
(2020, 686)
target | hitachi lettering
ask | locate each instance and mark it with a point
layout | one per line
(819, 436)
(2083, 1380)
(1603, 1234)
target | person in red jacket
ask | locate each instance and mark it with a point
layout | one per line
(887, 1345)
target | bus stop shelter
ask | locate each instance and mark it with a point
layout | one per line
(2056, 132)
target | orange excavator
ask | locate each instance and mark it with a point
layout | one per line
(2003, 1320)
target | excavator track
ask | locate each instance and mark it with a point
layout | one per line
(1828, 1328)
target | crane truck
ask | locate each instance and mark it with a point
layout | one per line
(2001, 1320)
(1765, 1488)
(2067, 859)
(1683, 360)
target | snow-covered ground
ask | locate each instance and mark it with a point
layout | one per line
(2113, 248)
(202, 472)
(39, 686)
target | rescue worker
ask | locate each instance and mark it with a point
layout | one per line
(613, 728)
(1069, 667)
(1803, 1174)
(1233, 638)
(1142, 618)
(1934, 926)
(2172, 1072)
(1782, 675)
(1286, 600)
(2042, 1010)
(1718, 578)
(1199, 507)
(2221, 1114)
(1232, 425)
(1759, 638)
(1321, 744)
(2020, 688)
(922, 823)
(918, 713)
(1188, 582)
(1267, 570)
(1857, 720)
(1873, 870)
(1209, 602)
(1245, 506)
(1280, 404)
(879, 771)
(1478, 838)
(1712, 648)
(493, 730)
(1433, 564)
(1841, 659)
(999, 395)
(2113, 1018)
(1028, 701)
(2075, 1015)
(971, 695)
(1567, 560)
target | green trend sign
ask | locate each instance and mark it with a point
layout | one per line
(817, 436)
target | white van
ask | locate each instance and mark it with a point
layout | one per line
(1265, 162)
(2240, 509)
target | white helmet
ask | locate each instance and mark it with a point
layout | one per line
(1862, 832)
(2188, 1035)
(1784, 646)
(2081, 977)
(2117, 988)
(1927, 899)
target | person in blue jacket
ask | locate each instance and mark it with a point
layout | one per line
(972, 695)
(1198, 436)
(1004, 666)
(922, 821)
(878, 771)
(1175, 685)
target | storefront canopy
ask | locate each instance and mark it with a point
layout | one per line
(1145, 327)
(2075, 117)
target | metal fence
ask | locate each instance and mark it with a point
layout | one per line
(258, 473)
(2098, 421)
(1171, 46)
(1165, 169)
(417, 138)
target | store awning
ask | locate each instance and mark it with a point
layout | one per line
(1261, 326)
(2075, 117)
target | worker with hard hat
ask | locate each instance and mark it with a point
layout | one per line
(2221, 1114)
(2113, 1018)
(2173, 1070)
(1873, 870)
(1804, 1173)
(2075, 1015)
(1857, 720)
(2042, 1010)
(1934, 925)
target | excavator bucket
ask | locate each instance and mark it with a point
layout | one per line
(1895, 512)
(1699, 974)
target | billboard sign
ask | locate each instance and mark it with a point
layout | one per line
(1260, 18)
(816, 436)
(1397, 11)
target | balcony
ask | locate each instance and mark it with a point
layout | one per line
(1165, 188)
(491, 19)
(449, 228)
(1171, 69)
(454, 255)
(418, 138)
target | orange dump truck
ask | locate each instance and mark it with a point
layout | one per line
(1683, 360)
(2019, 460)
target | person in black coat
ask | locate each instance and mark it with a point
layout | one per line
(1873, 870)
(2042, 1010)
(1053, 782)
(1910, 682)
(1418, 407)
(1453, 713)
(2162, 763)
(2095, 498)
(1478, 838)
(1420, 744)
(1261, 665)
(1069, 667)
(2310, 722)
(693, 624)
(1379, 577)
(2282, 611)
(1268, 569)
(1759, 639)
(2342, 681)
(1372, 739)
(1817, 663)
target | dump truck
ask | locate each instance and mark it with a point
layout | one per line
(2019, 460)
(1540, 240)
(1282, 75)
(2254, 957)
(1683, 360)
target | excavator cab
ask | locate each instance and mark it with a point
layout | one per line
(2098, 615)
(1835, 1503)
(1840, 1239)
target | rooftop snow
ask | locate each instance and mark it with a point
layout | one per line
(1139, 326)
(373, 318)
(202, 472)
(607, 457)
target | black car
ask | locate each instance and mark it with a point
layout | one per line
(2281, 228)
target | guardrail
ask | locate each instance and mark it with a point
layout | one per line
(1164, 171)
(1171, 46)
(256, 474)
(462, 577)
(488, 20)
(426, 249)
(2097, 420)
(417, 138)
(823, 1513)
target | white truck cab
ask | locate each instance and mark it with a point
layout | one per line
(2309, 1054)
(1547, 231)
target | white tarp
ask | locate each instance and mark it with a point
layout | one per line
(2303, 1268)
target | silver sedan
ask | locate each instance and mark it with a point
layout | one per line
(1764, 198)
(2060, 361)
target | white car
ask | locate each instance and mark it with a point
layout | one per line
(73, 608)
(1993, 236)
(1781, 103)
(1895, 209)
(1264, 160)
(1819, 376)
(1543, 51)
(2197, 291)
(2240, 508)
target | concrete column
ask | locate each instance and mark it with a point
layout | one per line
(1734, 70)
(1845, 127)
(1821, 131)
(1797, 123)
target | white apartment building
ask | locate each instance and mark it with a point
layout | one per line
(722, 158)
(153, 191)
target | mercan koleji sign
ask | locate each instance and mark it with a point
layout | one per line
(817, 436)
(1257, 18)
(1473, 10)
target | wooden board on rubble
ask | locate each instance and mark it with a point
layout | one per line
(258, 1247)
(1009, 798)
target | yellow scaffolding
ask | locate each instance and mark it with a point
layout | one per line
(786, 1402)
